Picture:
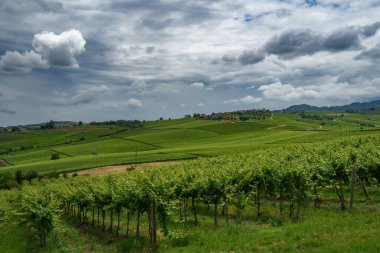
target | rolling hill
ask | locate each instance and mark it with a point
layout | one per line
(89, 146)
(357, 106)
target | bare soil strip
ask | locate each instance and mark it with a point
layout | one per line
(120, 168)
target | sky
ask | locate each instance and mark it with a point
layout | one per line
(94, 60)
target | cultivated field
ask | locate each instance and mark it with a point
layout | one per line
(84, 147)
(282, 184)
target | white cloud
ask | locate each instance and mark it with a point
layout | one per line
(244, 100)
(250, 100)
(197, 85)
(50, 50)
(22, 62)
(201, 104)
(133, 103)
(335, 92)
(60, 49)
(286, 92)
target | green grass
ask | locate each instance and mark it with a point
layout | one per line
(319, 231)
(83, 147)
(30, 157)
(105, 147)
(170, 137)
(16, 238)
(91, 161)
(326, 229)
(236, 127)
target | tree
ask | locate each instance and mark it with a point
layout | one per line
(48, 125)
(39, 210)
(18, 176)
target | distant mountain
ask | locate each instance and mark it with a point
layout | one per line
(351, 107)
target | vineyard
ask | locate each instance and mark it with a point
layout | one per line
(92, 146)
(271, 186)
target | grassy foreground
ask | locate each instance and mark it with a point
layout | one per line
(319, 230)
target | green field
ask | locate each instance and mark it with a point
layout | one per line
(84, 147)
(209, 153)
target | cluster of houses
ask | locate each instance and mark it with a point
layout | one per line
(215, 116)
(233, 116)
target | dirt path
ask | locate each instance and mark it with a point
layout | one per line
(120, 168)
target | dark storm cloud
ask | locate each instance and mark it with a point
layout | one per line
(372, 53)
(294, 43)
(251, 57)
(343, 39)
(370, 30)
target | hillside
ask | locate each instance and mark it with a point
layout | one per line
(220, 186)
(90, 146)
(357, 106)
(285, 199)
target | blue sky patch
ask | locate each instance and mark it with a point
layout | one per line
(248, 17)
(311, 2)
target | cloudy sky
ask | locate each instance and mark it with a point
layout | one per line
(100, 60)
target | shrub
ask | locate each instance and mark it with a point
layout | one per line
(30, 175)
(54, 156)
